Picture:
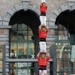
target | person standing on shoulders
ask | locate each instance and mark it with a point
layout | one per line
(43, 31)
(43, 9)
(43, 59)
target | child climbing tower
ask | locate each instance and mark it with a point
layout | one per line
(43, 9)
(43, 31)
(43, 59)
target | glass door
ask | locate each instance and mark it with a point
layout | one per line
(21, 46)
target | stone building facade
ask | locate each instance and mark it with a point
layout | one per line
(9, 7)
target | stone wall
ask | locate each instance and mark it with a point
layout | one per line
(5, 5)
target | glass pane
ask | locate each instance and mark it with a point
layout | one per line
(66, 58)
(65, 51)
(21, 41)
(25, 50)
(22, 68)
(31, 49)
(30, 34)
(21, 50)
(1, 54)
(14, 27)
(22, 27)
(29, 29)
(61, 33)
(22, 35)
(13, 35)
(13, 51)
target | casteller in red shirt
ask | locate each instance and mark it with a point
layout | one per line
(43, 10)
(43, 34)
(43, 62)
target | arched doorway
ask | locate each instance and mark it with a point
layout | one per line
(65, 41)
(24, 26)
(23, 40)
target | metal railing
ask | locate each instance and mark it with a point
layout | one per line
(9, 60)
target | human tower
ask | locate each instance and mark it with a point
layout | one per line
(43, 28)
(42, 55)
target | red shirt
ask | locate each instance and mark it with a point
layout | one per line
(43, 34)
(43, 62)
(43, 9)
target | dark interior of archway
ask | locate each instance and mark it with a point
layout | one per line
(28, 17)
(67, 19)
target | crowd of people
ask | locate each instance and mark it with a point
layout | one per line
(43, 56)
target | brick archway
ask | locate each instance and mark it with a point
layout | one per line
(25, 5)
(69, 6)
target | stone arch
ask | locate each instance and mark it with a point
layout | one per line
(25, 5)
(56, 12)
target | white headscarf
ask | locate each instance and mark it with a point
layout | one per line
(43, 1)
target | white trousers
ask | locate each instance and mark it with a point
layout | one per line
(43, 20)
(43, 71)
(42, 46)
(43, 1)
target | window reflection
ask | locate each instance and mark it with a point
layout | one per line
(22, 68)
(21, 41)
(61, 33)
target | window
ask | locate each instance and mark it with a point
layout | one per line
(65, 51)
(21, 43)
(21, 46)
